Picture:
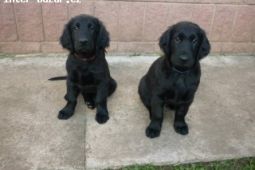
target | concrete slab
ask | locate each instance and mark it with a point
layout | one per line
(31, 136)
(221, 119)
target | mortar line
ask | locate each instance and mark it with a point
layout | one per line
(43, 29)
(118, 27)
(176, 2)
(212, 21)
(68, 12)
(94, 9)
(144, 17)
(234, 23)
(16, 24)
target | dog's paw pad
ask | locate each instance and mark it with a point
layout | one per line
(152, 133)
(181, 128)
(90, 105)
(64, 114)
(102, 118)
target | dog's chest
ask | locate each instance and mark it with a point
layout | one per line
(86, 79)
(83, 77)
(180, 90)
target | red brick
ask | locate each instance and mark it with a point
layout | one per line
(253, 30)
(206, 1)
(155, 21)
(113, 47)
(107, 12)
(146, 47)
(51, 47)
(221, 1)
(179, 12)
(157, 49)
(29, 21)
(202, 15)
(216, 47)
(136, 47)
(7, 23)
(197, 13)
(249, 2)
(238, 48)
(85, 7)
(20, 47)
(223, 23)
(54, 18)
(244, 28)
(131, 16)
(253, 48)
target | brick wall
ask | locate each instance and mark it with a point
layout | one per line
(135, 26)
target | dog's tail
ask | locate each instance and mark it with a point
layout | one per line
(58, 78)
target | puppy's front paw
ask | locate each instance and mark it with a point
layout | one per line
(181, 128)
(102, 118)
(152, 133)
(153, 130)
(65, 114)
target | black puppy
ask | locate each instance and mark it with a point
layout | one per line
(87, 70)
(173, 79)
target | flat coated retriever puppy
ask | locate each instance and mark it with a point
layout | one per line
(173, 79)
(87, 70)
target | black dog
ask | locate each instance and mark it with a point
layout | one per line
(87, 70)
(173, 79)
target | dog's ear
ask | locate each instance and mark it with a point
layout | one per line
(205, 46)
(165, 40)
(66, 37)
(103, 37)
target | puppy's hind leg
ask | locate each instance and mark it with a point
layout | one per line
(144, 96)
(146, 101)
(89, 99)
(71, 98)
(112, 86)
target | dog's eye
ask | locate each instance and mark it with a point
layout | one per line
(76, 27)
(90, 26)
(177, 39)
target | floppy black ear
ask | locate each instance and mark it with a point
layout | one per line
(205, 46)
(66, 38)
(165, 40)
(103, 38)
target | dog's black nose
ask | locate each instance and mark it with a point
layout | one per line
(83, 41)
(184, 58)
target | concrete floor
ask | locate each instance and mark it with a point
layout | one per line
(221, 119)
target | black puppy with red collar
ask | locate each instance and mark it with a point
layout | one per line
(173, 79)
(87, 70)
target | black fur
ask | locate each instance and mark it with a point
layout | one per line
(87, 70)
(58, 78)
(173, 79)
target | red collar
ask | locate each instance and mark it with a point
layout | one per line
(77, 56)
